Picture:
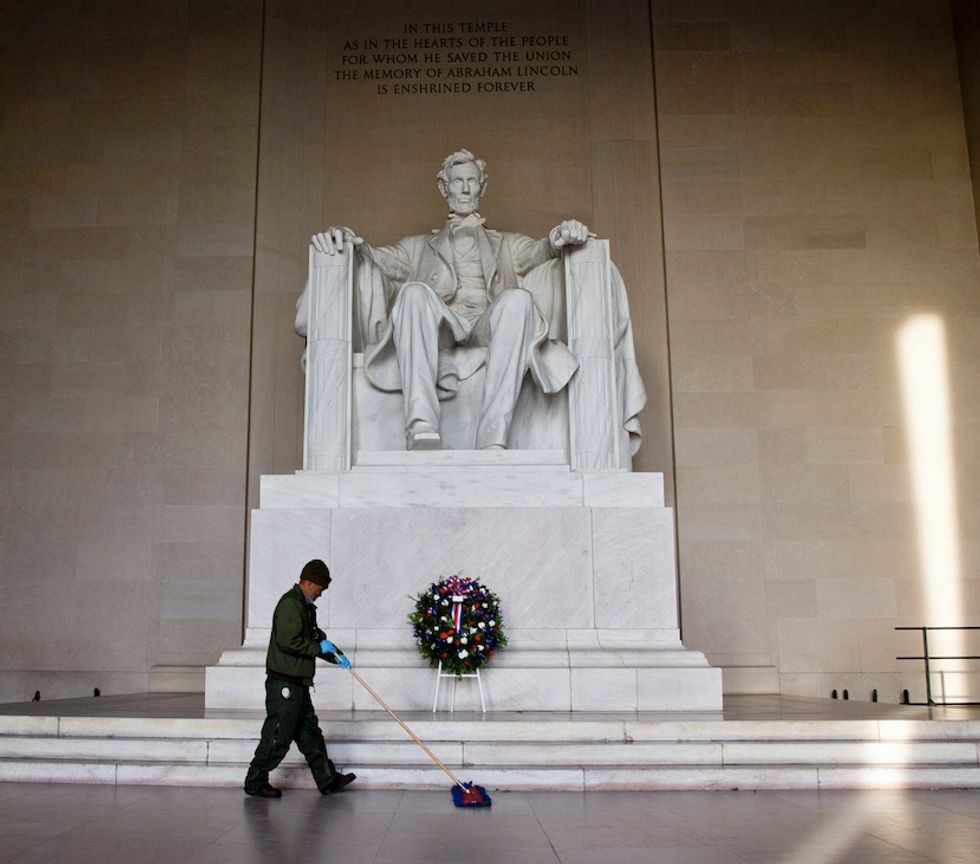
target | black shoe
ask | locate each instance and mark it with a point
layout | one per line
(338, 782)
(265, 791)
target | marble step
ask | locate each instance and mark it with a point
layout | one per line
(529, 728)
(371, 459)
(447, 485)
(508, 753)
(517, 777)
(511, 726)
(497, 753)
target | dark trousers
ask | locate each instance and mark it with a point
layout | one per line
(289, 717)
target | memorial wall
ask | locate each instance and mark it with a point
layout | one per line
(787, 192)
(824, 290)
(127, 199)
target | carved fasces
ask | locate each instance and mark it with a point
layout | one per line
(327, 427)
(594, 408)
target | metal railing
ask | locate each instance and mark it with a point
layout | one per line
(927, 658)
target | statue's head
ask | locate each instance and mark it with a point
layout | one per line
(462, 181)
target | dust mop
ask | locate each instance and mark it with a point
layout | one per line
(464, 794)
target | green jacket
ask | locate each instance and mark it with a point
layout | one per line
(295, 641)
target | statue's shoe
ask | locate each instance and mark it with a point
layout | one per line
(424, 439)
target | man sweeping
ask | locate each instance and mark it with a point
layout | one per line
(294, 645)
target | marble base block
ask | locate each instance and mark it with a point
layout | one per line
(505, 689)
(585, 575)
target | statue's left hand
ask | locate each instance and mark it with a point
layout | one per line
(571, 232)
(331, 241)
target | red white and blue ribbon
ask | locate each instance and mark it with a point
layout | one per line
(459, 588)
(458, 585)
(458, 612)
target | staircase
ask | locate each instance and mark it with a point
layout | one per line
(508, 751)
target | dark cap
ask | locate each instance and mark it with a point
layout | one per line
(317, 572)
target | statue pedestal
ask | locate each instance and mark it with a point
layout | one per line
(583, 563)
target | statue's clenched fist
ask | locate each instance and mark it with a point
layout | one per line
(571, 232)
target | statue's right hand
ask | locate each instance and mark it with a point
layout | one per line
(331, 241)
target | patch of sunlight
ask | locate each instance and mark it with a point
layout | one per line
(924, 369)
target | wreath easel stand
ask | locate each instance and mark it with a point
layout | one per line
(452, 700)
(457, 619)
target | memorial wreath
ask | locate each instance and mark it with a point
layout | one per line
(457, 622)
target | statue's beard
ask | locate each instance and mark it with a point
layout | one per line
(463, 208)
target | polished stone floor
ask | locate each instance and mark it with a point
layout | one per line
(72, 824)
(99, 824)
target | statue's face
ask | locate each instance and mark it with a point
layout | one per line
(463, 189)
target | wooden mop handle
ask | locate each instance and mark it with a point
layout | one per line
(401, 723)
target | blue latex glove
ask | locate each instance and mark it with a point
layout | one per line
(343, 662)
(327, 647)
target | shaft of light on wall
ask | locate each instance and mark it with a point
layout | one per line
(924, 367)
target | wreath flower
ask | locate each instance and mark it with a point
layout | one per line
(457, 622)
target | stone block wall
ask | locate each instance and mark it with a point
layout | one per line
(821, 246)
(816, 245)
(127, 193)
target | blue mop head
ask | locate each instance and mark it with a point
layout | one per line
(469, 795)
